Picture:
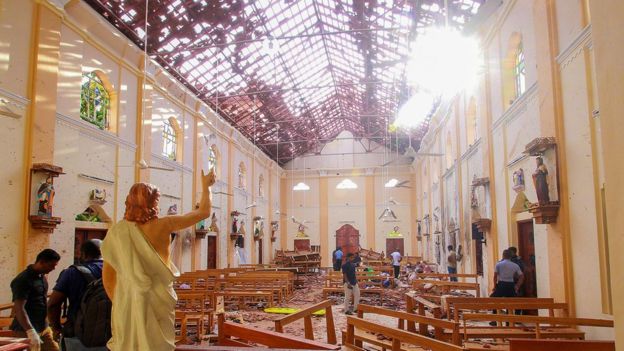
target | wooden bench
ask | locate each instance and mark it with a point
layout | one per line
(306, 315)
(560, 345)
(6, 318)
(231, 334)
(254, 297)
(418, 304)
(447, 276)
(447, 286)
(439, 325)
(400, 339)
(542, 327)
(448, 302)
(371, 291)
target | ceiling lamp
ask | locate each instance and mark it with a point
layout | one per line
(392, 183)
(301, 186)
(346, 184)
(444, 62)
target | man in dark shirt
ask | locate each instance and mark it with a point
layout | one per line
(29, 289)
(71, 285)
(350, 285)
(517, 260)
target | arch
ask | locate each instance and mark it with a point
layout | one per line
(98, 100)
(172, 134)
(514, 70)
(471, 121)
(242, 175)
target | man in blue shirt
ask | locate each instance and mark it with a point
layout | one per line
(71, 285)
(351, 287)
(337, 259)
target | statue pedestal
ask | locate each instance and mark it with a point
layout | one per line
(393, 243)
(302, 244)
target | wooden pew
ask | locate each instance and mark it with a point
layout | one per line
(306, 315)
(253, 297)
(370, 291)
(231, 334)
(6, 319)
(399, 337)
(448, 302)
(446, 276)
(510, 307)
(560, 345)
(418, 304)
(446, 286)
(439, 325)
(542, 327)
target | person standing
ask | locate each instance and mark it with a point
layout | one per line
(451, 262)
(337, 259)
(136, 255)
(396, 262)
(351, 287)
(513, 251)
(30, 290)
(507, 277)
(71, 286)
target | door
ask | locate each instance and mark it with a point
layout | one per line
(526, 251)
(212, 252)
(82, 235)
(348, 238)
(477, 236)
(260, 251)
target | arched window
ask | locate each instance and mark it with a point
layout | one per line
(261, 186)
(520, 71)
(471, 121)
(95, 101)
(170, 134)
(242, 176)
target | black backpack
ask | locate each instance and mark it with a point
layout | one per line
(93, 320)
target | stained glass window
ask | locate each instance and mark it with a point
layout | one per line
(520, 71)
(169, 141)
(94, 101)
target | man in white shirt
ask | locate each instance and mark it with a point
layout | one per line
(396, 262)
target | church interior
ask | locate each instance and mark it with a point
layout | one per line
(411, 141)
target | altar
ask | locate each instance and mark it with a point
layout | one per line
(302, 244)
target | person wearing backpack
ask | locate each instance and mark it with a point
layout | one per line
(72, 285)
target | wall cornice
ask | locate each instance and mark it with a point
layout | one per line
(94, 133)
(518, 106)
(170, 163)
(582, 41)
(12, 105)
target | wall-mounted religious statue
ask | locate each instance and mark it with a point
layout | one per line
(213, 223)
(518, 180)
(395, 233)
(437, 250)
(301, 231)
(474, 200)
(45, 196)
(427, 221)
(436, 220)
(452, 230)
(419, 229)
(241, 228)
(173, 210)
(540, 182)
(234, 225)
(98, 196)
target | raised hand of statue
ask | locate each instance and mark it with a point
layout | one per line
(209, 179)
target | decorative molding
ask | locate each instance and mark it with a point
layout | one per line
(518, 106)
(582, 41)
(92, 132)
(517, 160)
(472, 149)
(17, 99)
(82, 175)
(173, 164)
(171, 196)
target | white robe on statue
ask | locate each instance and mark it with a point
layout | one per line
(143, 314)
